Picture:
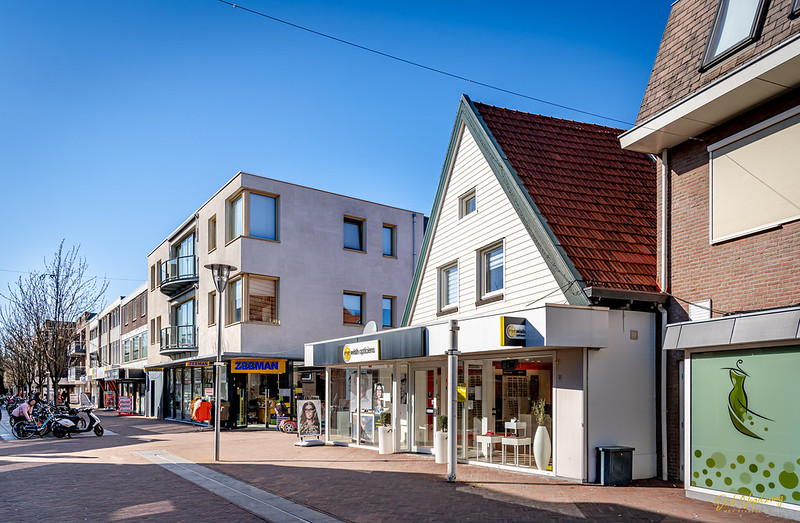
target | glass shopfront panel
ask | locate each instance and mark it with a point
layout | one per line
(339, 414)
(745, 422)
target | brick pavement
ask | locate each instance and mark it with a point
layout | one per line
(351, 484)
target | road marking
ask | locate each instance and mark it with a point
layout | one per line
(259, 502)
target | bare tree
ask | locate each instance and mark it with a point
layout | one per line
(39, 321)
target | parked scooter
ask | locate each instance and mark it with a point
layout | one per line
(69, 425)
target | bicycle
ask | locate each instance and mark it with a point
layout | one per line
(29, 429)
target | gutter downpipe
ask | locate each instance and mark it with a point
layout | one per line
(452, 398)
(413, 243)
(665, 288)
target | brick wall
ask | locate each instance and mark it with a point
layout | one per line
(676, 71)
(134, 321)
(749, 273)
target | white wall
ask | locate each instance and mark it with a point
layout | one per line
(527, 277)
(568, 419)
(622, 407)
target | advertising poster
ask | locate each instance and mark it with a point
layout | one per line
(745, 424)
(309, 423)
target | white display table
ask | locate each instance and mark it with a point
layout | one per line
(488, 440)
(517, 443)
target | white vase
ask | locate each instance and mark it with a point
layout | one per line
(541, 447)
(440, 446)
(385, 440)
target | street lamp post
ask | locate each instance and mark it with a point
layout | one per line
(220, 272)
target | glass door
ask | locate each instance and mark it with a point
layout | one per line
(426, 405)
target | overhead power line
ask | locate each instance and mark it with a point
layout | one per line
(106, 278)
(423, 66)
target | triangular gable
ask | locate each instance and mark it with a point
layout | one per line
(564, 273)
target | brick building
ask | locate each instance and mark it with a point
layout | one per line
(722, 112)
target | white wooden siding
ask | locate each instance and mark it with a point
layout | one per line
(526, 275)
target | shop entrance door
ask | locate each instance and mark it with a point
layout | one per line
(426, 405)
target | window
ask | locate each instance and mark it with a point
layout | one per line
(152, 277)
(736, 25)
(158, 329)
(143, 306)
(754, 178)
(254, 215)
(388, 311)
(448, 287)
(212, 308)
(466, 204)
(795, 12)
(352, 305)
(135, 347)
(263, 217)
(126, 345)
(133, 304)
(262, 300)
(212, 233)
(126, 314)
(153, 330)
(143, 345)
(235, 301)
(491, 263)
(389, 240)
(354, 234)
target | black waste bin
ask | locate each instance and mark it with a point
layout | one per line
(614, 465)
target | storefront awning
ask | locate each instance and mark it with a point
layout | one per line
(393, 344)
(775, 326)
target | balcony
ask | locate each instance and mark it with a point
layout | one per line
(178, 274)
(76, 348)
(75, 373)
(182, 338)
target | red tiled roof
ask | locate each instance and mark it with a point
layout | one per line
(599, 200)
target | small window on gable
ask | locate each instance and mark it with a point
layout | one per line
(491, 262)
(795, 12)
(448, 287)
(736, 25)
(466, 204)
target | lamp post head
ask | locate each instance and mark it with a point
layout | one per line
(220, 272)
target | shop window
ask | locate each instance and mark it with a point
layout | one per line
(340, 409)
(754, 179)
(352, 306)
(737, 24)
(448, 287)
(354, 234)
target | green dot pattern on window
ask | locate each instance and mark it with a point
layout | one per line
(754, 479)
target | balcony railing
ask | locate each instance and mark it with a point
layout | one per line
(178, 274)
(178, 339)
(76, 348)
(75, 373)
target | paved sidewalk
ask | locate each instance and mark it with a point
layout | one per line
(108, 479)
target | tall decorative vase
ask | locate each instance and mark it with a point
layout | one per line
(440, 446)
(541, 447)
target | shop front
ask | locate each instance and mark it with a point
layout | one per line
(249, 388)
(132, 384)
(742, 420)
(537, 391)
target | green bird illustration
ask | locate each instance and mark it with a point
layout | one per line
(737, 402)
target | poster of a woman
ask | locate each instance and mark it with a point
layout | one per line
(309, 419)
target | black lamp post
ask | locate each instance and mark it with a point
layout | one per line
(220, 272)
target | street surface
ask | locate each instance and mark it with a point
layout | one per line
(145, 470)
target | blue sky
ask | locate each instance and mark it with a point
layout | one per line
(120, 119)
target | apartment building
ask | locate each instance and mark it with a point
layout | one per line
(79, 358)
(722, 112)
(104, 354)
(134, 338)
(308, 263)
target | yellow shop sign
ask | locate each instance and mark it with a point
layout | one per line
(259, 366)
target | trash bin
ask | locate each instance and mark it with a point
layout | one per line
(614, 465)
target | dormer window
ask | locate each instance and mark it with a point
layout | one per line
(736, 25)
(795, 12)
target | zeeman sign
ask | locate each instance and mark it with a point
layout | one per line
(259, 366)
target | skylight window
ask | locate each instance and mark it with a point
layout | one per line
(736, 25)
